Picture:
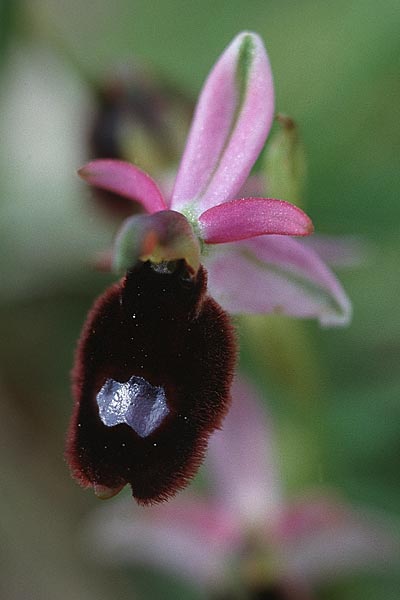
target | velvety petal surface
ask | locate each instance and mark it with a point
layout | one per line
(323, 539)
(232, 120)
(241, 460)
(251, 217)
(187, 536)
(126, 180)
(276, 274)
(151, 382)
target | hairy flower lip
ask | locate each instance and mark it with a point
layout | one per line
(163, 327)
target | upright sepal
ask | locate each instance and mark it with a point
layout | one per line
(231, 123)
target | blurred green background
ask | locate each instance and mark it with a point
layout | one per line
(334, 394)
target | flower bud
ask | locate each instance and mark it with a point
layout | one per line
(141, 119)
(285, 162)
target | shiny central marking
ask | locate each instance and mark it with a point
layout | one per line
(136, 403)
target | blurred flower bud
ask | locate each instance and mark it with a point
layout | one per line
(139, 118)
(285, 162)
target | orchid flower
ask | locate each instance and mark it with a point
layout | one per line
(245, 530)
(156, 357)
(251, 267)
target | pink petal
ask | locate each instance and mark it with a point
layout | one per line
(242, 459)
(276, 274)
(232, 120)
(323, 539)
(126, 180)
(250, 217)
(187, 537)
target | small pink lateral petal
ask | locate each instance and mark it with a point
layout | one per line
(232, 120)
(126, 180)
(251, 217)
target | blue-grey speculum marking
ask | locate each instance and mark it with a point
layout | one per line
(136, 403)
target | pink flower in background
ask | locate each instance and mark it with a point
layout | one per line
(253, 266)
(245, 532)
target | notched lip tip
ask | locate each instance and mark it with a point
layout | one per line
(310, 228)
(104, 493)
(83, 172)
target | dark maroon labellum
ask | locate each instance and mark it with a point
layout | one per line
(151, 382)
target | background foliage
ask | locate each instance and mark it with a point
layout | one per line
(334, 394)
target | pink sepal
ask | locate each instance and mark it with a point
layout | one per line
(232, 120)
(276, 274)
